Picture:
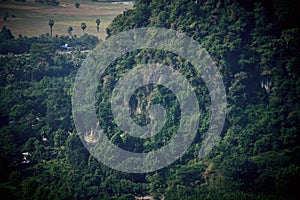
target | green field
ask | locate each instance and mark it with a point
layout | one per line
(31, 19)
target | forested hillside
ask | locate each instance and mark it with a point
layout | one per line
(255, 45)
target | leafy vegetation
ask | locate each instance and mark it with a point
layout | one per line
(77, 5)
(255, 45)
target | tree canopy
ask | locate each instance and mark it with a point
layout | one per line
(255, 45)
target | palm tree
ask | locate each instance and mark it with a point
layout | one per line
(51, 24)
(70, 29)
(98, 23)
(83, 26)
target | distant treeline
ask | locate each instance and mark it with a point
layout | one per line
(23, 44)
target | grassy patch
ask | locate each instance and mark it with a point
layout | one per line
(31, 19)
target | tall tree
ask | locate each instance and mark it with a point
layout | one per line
(5, 34)
(69, 30)
(83, 26)
(51, 24)
(98, 21)
(77, 5)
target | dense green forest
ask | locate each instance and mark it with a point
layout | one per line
(255, 45)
